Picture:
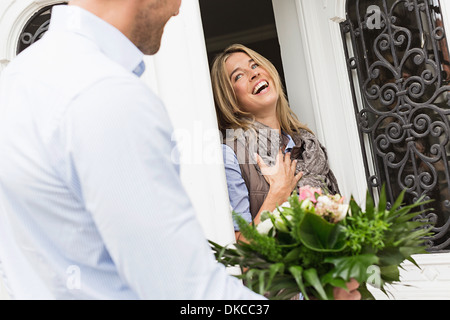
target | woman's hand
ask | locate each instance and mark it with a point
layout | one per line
(281, 177)
(282, 180)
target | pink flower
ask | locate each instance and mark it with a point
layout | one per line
(307, 192)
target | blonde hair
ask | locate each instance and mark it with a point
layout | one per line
(229, 115)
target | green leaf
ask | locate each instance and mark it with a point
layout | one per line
(355, 209)
(335, 282)
(292, 255)
(398, 202)
(261, 282)
(398, 215)
(299, 260)
(382, 200)
(407, 252)
(405, 217)
(296, 272)
(413, 235)
(273, 271)
(365, 293)
(352, 266)
(369, 206)
(319, 235)
(390, 256)
(411, 259)
(390, 273)
(313, 279)
(283, 288)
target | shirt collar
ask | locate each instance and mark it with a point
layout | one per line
(113, 43)
(290, 143)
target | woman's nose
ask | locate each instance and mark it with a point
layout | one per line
(254, 74)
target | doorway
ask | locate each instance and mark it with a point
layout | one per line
(250, 22)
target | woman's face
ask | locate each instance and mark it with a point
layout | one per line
(254, 87)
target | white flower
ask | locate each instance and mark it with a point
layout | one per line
(341, 212)
(280, 224)
(286, 204)
(324, 201)
(307, 204)
(280, 221)
(281, 208)
(264, 227)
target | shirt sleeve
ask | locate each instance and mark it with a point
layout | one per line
(119, 140)
(237, 189)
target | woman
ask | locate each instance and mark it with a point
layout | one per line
(260, 130)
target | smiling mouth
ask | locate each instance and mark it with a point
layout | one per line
(260, 87)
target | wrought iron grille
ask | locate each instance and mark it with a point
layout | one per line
(35, 28)
(399, 69)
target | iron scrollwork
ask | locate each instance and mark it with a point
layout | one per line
(35, 28)
(398, 63)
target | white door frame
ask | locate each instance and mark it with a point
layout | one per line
(318, 86)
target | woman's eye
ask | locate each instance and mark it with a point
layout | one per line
(254, 66)
(237, 77)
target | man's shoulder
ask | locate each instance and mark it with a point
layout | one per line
(67, 64)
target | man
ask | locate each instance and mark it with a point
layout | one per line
(92, 207)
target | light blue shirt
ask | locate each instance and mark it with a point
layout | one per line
(92, 206)
(237, 189)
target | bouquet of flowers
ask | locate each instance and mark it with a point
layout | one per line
(315, 242)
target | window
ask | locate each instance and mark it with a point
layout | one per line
(398, 63)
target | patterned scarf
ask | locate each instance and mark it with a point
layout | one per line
(311, 156)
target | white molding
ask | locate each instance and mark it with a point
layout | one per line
(294, 58)
(346, 105)
(313, 55)
(304, 16)
(429, 282)
(445, 9)
(330, 92)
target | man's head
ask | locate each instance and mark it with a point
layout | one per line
(142, 21)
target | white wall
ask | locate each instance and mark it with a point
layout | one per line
(294, 61)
